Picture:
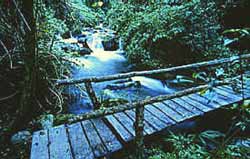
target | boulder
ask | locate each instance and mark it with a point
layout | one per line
(21, 137)
(85, 51)
(83, 42)
(66, 35)
(110, 45)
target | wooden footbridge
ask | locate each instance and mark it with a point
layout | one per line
(105, 131)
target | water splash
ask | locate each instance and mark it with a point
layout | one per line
(153, 84)
(102, 63)
(95, 42)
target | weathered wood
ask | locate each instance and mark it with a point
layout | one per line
(123, 133)
(80, 146)
(196, 104)
(159, 114)
(139, 127)
(179, 109)
(126, 122)
(153, 120)
(207, 102)
(59, 144)
(121, 108)
(169, 111)
(188, 106)
(218, 98)
(230, 89)
(226, 94)
(246, 91)
(39, 147)
(92, 95)
(95, 142)
(147, 128)
(146, 73)
(223, 100)
(108, 138)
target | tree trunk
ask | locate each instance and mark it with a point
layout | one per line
(28, 98)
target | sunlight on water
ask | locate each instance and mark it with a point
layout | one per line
(102, 63)
(153, 84)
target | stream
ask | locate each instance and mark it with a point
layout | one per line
(102, 63)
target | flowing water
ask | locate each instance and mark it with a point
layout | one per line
(101, 63)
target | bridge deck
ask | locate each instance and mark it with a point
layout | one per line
(100, 137)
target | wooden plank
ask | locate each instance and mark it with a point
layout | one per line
(188, 106)
(39, 147)
(202, 107)
(230, 89)
(124, 134)
(106, 135)
(222, 100)
(147, 128)
(233, 98)
(80, 146)
(126, 122)
(214, 98)
(169, 112)
(185, 114)
(153, 121)
(159, 114)
(59, 144)
(204, 101)
(217, 98)
(230, 92)
(95, 142)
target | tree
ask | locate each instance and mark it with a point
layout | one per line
(28, 97)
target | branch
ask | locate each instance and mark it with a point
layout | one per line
(22, 16)
(8, 97)
(7, 53)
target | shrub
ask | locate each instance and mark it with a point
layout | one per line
(159, 34)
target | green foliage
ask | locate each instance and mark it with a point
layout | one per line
(159, 154)
(185, 146)
(159, 34)
(194, 146)
(49, 60)
(75, 14)
(80, 16)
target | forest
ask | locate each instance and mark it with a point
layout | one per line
(157, 79)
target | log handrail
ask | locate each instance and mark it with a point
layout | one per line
(121, 108)
(139, 105)
(151, 72)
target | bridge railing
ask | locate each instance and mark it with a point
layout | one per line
(89, 80)
(139, 105)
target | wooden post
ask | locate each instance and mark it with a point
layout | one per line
(139, 125)
(92, 95)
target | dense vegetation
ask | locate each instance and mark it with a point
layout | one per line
(155, 33)
(161, 34)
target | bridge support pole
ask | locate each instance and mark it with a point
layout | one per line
(139, 125)
(92, 95)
